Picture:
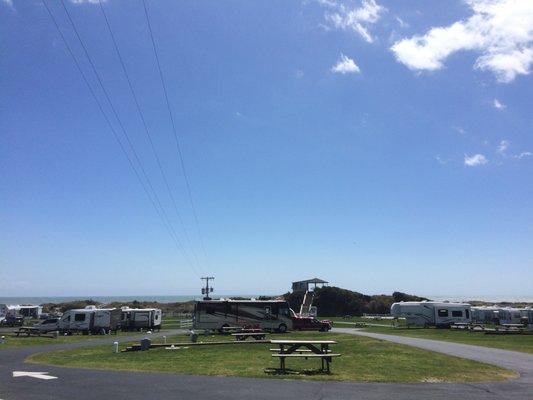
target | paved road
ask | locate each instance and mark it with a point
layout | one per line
(514, 360)
(80, 384)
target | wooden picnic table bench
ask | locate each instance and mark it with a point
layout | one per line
(28, 331)
(306, 349)
(245, 335)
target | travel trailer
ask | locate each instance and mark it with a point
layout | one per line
(509, 315)
(485, 315)
(90, 319)
(430, 313)
(135, 319)
(527, 316)
(270, 315)
(20, 311)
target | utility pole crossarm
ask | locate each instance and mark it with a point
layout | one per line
(206, 290)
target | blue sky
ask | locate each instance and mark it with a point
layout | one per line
(379, 145)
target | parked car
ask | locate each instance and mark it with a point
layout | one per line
(310, 324)
(11, 320)
(48, 325)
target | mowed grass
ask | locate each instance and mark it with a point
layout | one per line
(516, 342)
(363, 359)
(12, 341)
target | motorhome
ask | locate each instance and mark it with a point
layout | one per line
(90, 319)
(134, 319)
(430, 313)
(270, 315)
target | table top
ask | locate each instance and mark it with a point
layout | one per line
(289, 341)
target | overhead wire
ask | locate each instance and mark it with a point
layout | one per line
(147, 132)
(178, 145)
(151, 196)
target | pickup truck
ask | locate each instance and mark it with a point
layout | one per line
(310, 324)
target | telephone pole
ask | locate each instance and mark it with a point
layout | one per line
(206, 290)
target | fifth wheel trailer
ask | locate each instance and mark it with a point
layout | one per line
(431, 313)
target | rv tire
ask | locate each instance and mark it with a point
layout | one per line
(282, 328)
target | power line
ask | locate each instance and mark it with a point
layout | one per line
(147, 132)
(123, 129)
(160, 212)
(178, 146)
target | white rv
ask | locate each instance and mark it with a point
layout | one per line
(485, 315)
(431, 313)
(141, 318)
(527, 316)
(20, 311)
(90, 319)
(509, 315)
(216, 314)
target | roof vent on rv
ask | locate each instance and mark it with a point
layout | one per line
(90, 307)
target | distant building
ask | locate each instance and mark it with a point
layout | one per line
(303, 286)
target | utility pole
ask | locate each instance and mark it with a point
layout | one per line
(206, 290)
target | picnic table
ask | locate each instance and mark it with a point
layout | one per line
(257, 334)
(28, 331)
(291, 348)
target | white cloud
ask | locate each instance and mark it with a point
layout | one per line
(345, 65)
(500, 30)
(8, 3)
(356, 19)
(524, 154)
(475, 160)
(498, 105)
(503, 146)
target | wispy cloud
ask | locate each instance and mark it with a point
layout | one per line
(299, 74)
(500, 30)
(345, 65)
(475, 160)
(503, 146)
(440, 160)
(8, 3)
(497, 104)
(357, 19)
(523, 155)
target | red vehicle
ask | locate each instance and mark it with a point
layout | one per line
(310, 324)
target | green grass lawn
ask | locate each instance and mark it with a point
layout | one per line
(522, 343)
(23, 341)
(363, 359)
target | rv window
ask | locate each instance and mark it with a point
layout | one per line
(79, 317)
(467, 313)
(442, 313)
(457, 314)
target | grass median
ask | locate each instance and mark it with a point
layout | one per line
(515, 342)
(12, 341)
(363, 359)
